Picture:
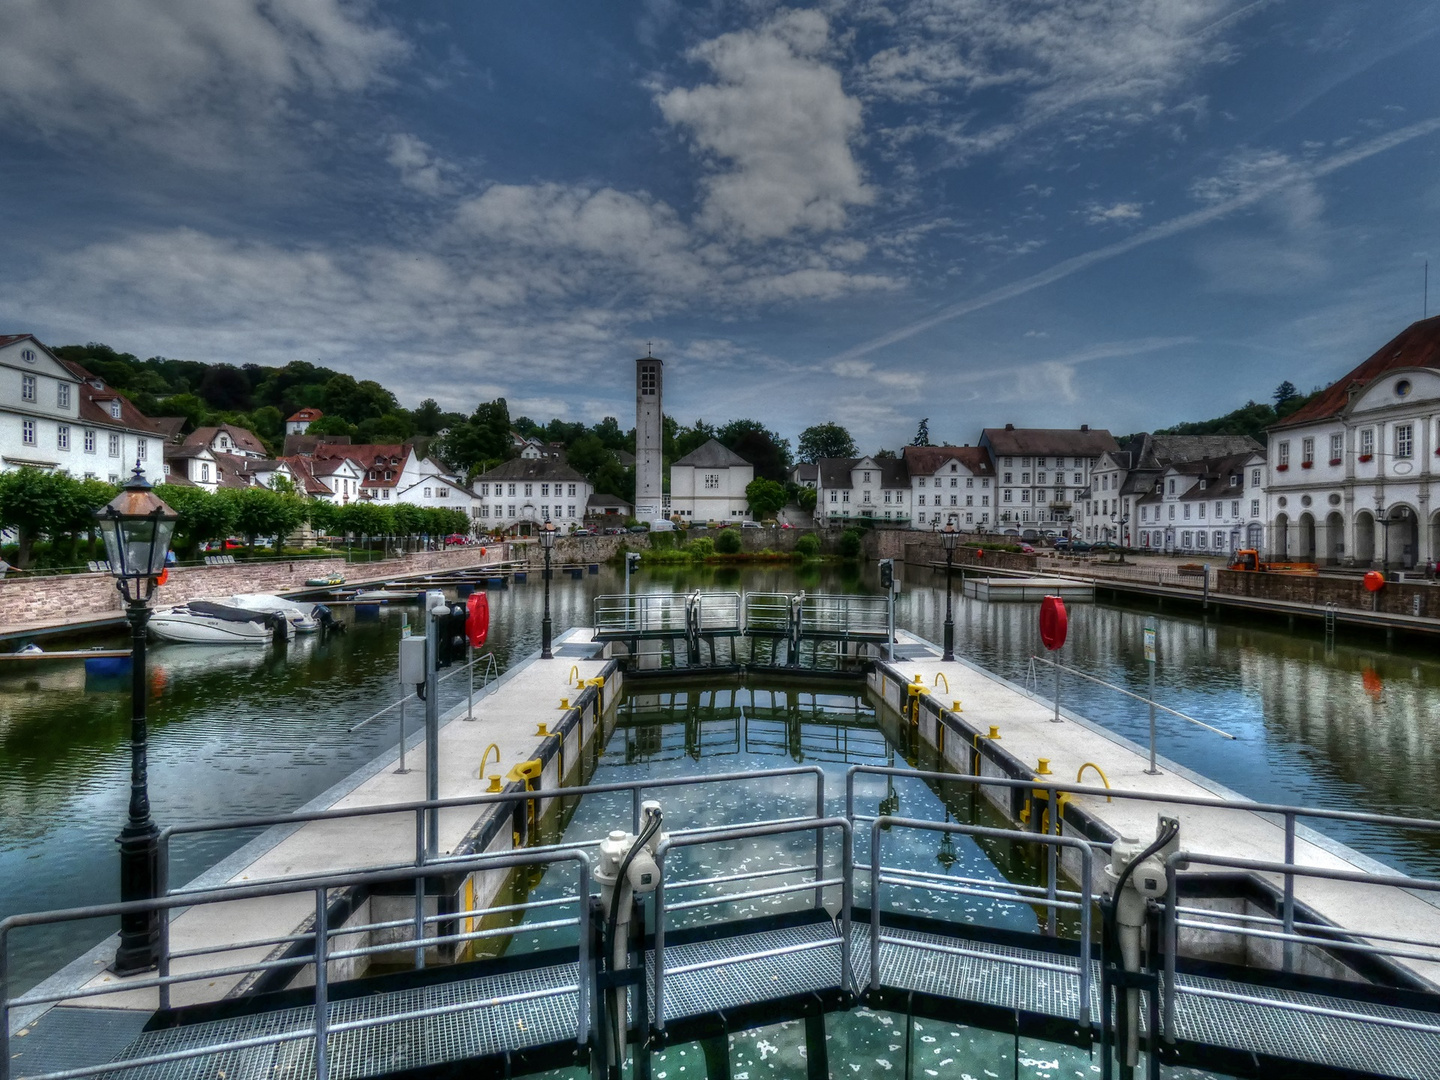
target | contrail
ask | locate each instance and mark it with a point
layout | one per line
(1163, 231)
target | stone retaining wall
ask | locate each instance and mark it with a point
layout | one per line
(1396, 598)
(914, 546)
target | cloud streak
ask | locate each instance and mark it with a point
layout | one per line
(1251, 195)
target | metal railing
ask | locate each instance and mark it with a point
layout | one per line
(845, 882)
(767, 612)
(843, 613)
(1002, 890)
(322, 1027)
(717, 611)
(640, 613)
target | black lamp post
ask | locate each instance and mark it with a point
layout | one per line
(547, 541)
(137, 526)
(948, 536)
(1121, 518)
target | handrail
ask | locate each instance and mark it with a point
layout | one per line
(815, 825)
(320, 886)
(880, 825)
(1130, 693)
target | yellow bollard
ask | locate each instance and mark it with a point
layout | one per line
(494, 782)
(955, 706)
(1043, 769)
(564, 704)
(994, 732)
(544, 729)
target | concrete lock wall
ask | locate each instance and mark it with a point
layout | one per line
(913, 546)
(1396, 598)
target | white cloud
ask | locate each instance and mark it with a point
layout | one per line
(189, 79)
(1120, 213)
(778, 128)
(420, 169)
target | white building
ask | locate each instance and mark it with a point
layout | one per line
(649, 438)
(521, 494)
(191, 466)
(1040, 473)
(341, 478)
(950, 484)
(228, 439)
(1353, 473)
(1210, 507)
(867, 489)
(300, 423)
(54, 414)
(708, 484)
(1108, 508)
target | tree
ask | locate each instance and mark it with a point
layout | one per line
(262, 512)
(203, 516)
(808, 546)
(826, 441)
(766, 497)
(762, 448)
(428, 417)
(922, 434)
(331, 425)
(609, 433)
(36, 502)
(728, 542)
(226, 387)
(1283, 393)
(850, 543)
(481, 442)
(807, 498)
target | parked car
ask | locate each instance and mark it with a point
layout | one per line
(455, 540)
(1026, 549)
(1079, 547)
(1105, 545)
(614, 532)
(639, 528)
(582, 532)
(750, 525)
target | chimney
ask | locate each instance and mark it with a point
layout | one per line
(1084, 427)
(1009, 427)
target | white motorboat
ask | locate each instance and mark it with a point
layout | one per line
(303, 617)
(204, 622)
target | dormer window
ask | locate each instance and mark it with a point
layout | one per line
(387, 474)
(97, 384)
(115, 409)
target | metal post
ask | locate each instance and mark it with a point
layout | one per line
(819, 840)
(1056, 718)
(545, 625)
(1172, 946)
(402, 768)
(419, 930)
(139, 849)
(659, 1005)
(470, 666)
(432, 731)
(1052, 851)
(322, 986)
(949, 618)
(1205, 587)
(1288, 913)
(1150, 662)
(890, 625)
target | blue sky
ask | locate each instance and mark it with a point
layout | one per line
(1125, 213)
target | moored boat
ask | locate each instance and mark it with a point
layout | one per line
(328, 581)
(303, 617)
(204, 622)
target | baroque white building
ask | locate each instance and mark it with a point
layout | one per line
(1353, 473)
(1040, 474)
(54, 414)
(950, 484)
(522, 493)
(1209, 507)
(708, 484)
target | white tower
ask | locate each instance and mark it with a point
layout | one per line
(649, 439)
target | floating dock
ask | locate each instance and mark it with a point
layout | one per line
(1028, 589)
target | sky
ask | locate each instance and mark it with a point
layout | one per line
(1126, 213)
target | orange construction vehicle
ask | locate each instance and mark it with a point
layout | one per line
(1249, 559)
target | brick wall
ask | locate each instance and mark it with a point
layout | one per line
(1395, 598)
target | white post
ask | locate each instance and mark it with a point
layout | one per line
(1150, 661)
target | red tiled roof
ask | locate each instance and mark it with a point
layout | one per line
(1417, 346)
(94, 405)
(304, 416)
(927, 460)
(368, 456)
(302, 468)
(246, 440)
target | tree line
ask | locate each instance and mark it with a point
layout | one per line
(58, 510)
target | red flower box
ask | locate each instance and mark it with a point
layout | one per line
(1338, 461)
(1307, 464)
(1366, 457)
(1282, 468)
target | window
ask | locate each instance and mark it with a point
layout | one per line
(954, 482)
(1255, 478)
(1254, 508)
(511, 507)
(204, 472)
(571, 493)
(647, 381)
(846, 498)
(62, 395)
(1040, 478)
(114, 445)
(1404, 440)
(985, 483)
(1008, 478)
(1024, 495)
(511, 492)
(427, 493)
(1172, 511)
(1219, 540)
(485, 489)
(1336, 442)
(969, 500)
(1367, 442)
(62, 437)
(922, 501)
(984, 501)
(866, 479)
(834, 496)
(1006, 497)
(1187, 511)
(442, 493)
(1202, 510)
(1024, 478)
(1282, 450)
(1219, 508)
(115, 409)
(545, 511)
(545, 490)
(1235, 508)
(1172, 485)
(385, 493)
(570, 511)
(140, 449)
(969, 481)
(1200, 539)
(1009, 462)
(712, 481)
(1024, 462)
(27, 387)
(27, 432)
(529, 490)
(954, 500)
(1307, 451)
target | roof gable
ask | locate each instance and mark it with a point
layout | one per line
(1417, 346)
(712, 455)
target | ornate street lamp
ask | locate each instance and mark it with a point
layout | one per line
(137, 526)
(1121, 518)
(547, 541)
(949, 536)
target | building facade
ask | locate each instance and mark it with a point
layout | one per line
(868, 490)
(521, 494)
(1353, 473)
(1040, 473)
(708, 484)
(649, 439)
(56, 415)
(949, 485)
(1209, 507)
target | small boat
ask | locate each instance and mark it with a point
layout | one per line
(328, 581)
(204, 622)
(303, 617)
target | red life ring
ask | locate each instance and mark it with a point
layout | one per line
(1374, 580)
(164, 577)
(1054, 622)
(477, 618)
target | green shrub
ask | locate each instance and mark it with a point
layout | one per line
(850, 543)
(728, 542)
(660, 540)
(808, 546)
(701, 548)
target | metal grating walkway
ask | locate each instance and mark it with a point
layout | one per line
(386, 1047)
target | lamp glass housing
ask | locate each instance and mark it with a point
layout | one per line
(137, 526)
(949, 536)
(547, 534)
